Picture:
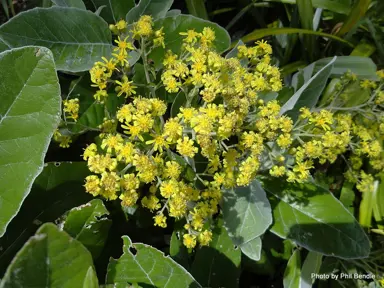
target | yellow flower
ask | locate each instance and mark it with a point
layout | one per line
(189, 241)
(92, 185)
(121, 25)
(172, 170)
(110, 184)
(143, 27)
(90, 151)
(160, 220)
(169, 188)
(126, 87)
(150, 202)
(191, 36)
(205, 237)
(159, 38)
(172, 130)
(185, 147)
(123, 45)
(71, 108)
(112, 142)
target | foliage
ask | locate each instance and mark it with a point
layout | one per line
(198, 160)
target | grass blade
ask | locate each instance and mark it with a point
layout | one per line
(353, 18)
(197, 8)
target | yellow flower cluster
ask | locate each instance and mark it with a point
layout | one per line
(147, 157)
(71, 108)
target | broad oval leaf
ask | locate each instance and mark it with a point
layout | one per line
(70, 3)
(156, 8)
(77, 38)
(247, 212)
(252, 249)
(309, 214)
(51, 258)
(310, 92)
(293, 271)
(141, 263)
(89, 224)
(181, 23)
(29, 114)
(218, 265)
(57, 189)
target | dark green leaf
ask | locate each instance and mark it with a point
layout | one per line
(310, 92)
(144, 264)
(197, 8)
(51, 258)
(29, 114)
(90, 225)
(181, 23)
(179, 101)
(156, 8)
(219, 264)
(57, 189)
(114, 10)
(358, 11)
(77, 38)
(293, 271)
(252, 249)
(311, 266)
(338, 6)
(347, 196)
(302, 213)
(70, 3)
(247, 212)
(178, 251)
(306, 18)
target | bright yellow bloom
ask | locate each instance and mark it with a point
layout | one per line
(185, 147)
(126, 87)
(189, 241)
(160, 220)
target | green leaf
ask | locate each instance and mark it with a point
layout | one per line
(366, 206)
(292, 271)
(144, 264)
(57, 189)
(197, 8)
(51, 258)
(306, 18)
(156, 8)
(178, 251)
(301, 213)
(311, 266)
(114, 10)
(247, 212)
(310, 92)
(378, 209)
(181, 23)
(90, 225)
(364, 50)
(70, 3)
(77, 38)
(347, 196)
(29, 114)
(252, 249)
(338, 6)
(261, 33)
(363, 67)
(357, 12)
(218, 265)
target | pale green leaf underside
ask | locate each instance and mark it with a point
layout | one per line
(247, 213)
(70, 3)
(29, 113)
(252, 249)
(52, 259)
(147, 266)
(77, 38)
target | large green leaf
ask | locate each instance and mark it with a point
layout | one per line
(51, 258)
(90, 225)
(218, 265)
(338, 6)
(143, 264)
(70, 3)
(247, 212)
(252, 249)
(77, 38)
(156, 8)
(308, 214)
(29, 114)
(181, 23)
(310, 92)
(292, 271)
(113, 10)
(57, 189)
